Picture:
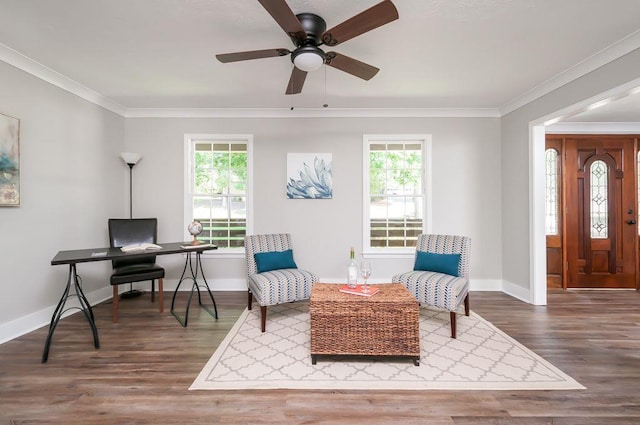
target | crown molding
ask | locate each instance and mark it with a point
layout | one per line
(22, 62)
(603, 57)
(311, 113)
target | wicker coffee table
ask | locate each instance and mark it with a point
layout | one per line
(386, 324)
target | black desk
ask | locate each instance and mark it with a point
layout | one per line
(102, 254)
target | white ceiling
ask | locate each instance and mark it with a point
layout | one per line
(463, 54)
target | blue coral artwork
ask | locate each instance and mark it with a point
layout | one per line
(9, 161)
(309, 176)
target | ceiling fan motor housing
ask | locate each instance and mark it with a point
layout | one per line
(314, 26)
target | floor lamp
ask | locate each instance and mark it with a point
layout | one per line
(130, 159)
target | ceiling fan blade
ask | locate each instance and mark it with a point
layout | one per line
(350, 65)
(284, 16)
(296, 81)
(372, 18)
(253, 54)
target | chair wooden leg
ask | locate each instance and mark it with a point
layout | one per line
(263, 311)
(453, 324)
(249, 300)
(153, 290)
(453, 316)
(114, 305)
(161, 294)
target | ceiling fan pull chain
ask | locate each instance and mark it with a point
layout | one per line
(325, 104)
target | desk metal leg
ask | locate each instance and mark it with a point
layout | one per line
(194, 287)
(57, 313)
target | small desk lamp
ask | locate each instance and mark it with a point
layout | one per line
(130, 159)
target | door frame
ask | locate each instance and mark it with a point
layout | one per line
(537, 136)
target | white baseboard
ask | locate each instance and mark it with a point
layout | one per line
(517, 291)
(241, 285)
(33, 321)
(485, 285)
(507, 287)
(215, 285)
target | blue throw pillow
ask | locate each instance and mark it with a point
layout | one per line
(441, 263)
(274, 260)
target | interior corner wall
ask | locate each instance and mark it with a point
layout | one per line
(466, 186)
(71, 181)
(516, 160)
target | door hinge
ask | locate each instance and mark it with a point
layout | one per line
(566, 266)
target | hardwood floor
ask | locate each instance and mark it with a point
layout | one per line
(147, 361)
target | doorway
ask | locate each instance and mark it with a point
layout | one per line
(595, 242)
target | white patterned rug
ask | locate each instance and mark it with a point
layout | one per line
(481, 358)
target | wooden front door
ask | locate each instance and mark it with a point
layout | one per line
(601, 229)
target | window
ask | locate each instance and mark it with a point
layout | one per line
(219, 188)
(551, 193)
(396, 196)
(599, 181)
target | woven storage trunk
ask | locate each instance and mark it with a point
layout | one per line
(386, 324)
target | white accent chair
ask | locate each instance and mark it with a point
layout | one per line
(272, 275)
(441, 274)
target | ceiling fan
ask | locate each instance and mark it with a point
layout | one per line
(308, 32)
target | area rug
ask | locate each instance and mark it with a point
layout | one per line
(481, 358)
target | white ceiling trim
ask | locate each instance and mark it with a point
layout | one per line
(22, 62)
(312, 113)
(603, 57)
(28, 65)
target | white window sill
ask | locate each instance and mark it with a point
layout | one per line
(224, 253)
(390, 253)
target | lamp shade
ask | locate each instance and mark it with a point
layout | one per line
(308, 58)
(130, 158)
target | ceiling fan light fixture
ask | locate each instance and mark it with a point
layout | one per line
(308, 58)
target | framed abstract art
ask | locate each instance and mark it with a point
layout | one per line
(9, 161)
(309, 176)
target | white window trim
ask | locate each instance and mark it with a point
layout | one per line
(189, 142)
(367, 139)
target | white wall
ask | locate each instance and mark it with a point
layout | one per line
(72, 180)
(466, 187)
(516, 159)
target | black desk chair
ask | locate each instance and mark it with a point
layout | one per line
(123, 232)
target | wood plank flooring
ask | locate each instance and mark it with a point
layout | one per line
(146, 362)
